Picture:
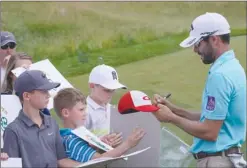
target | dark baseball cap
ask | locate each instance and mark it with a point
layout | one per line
(31, 80)
(7, 37)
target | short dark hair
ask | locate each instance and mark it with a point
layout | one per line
(225, 38)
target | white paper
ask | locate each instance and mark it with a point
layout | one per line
(98, 162)
(88, 136)
(107, 160)
(10, 108)
(12, 162)
(18, 71)
(136, 152)
(52, 74)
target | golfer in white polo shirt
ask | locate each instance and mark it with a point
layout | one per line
(103, 82)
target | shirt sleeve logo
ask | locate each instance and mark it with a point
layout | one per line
(211, 103)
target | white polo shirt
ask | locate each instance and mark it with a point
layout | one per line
(98, 118)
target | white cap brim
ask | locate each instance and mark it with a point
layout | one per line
(114, 85)
(189, 41)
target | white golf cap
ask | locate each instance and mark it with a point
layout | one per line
(206, 25)
(105, 76)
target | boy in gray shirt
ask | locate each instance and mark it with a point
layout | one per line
(33, 136)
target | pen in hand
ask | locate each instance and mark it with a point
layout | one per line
(166, 97)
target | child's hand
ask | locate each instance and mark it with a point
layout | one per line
(4, 156)
(105, 139)
(135, 137)
(114, 139)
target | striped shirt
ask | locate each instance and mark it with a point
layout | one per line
(76, 148)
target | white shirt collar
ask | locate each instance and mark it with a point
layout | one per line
(93, 104)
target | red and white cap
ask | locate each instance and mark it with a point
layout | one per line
(135, 101)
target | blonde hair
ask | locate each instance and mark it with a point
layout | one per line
(8, 80)
(67, 98)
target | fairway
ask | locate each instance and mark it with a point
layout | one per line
(180, 73)
(69, 33)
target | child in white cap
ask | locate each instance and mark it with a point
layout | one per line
(103, 82)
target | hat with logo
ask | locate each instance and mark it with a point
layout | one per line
(33, 80)
(7, 37)
(205, 25)
(135, 101)
(105, 76)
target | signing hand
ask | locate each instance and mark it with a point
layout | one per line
(164, 114)
(157, 99)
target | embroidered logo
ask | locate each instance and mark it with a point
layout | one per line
(43, 75)
(114, 75)
(146, 98)
(211, 103)
(191, 27)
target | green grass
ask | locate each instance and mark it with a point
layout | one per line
(70, 33)
(180, 73)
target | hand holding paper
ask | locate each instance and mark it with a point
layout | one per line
(92, 139)
(4, 156)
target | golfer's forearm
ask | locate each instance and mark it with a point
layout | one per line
(194, 116)
(194, 128)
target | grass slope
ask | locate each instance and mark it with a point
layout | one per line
(70, 33)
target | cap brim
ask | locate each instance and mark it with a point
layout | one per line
(8, 41)
(49, 86)
(147, 108)
(189, 41)
(113, 86)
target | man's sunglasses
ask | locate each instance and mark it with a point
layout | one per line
(10, 45)
(205, 38)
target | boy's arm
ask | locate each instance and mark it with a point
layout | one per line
(132, 140)
(118, 151)
(11, 145)
(79, 150)
(63, 161)
(66, 162)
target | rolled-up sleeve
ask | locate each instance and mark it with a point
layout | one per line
(60, 150)
(11, 145)
(218, 95)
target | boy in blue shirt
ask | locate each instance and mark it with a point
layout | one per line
(70, 106)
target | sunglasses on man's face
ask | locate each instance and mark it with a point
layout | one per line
(10, 45)
(197, 44)
(204, 38)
